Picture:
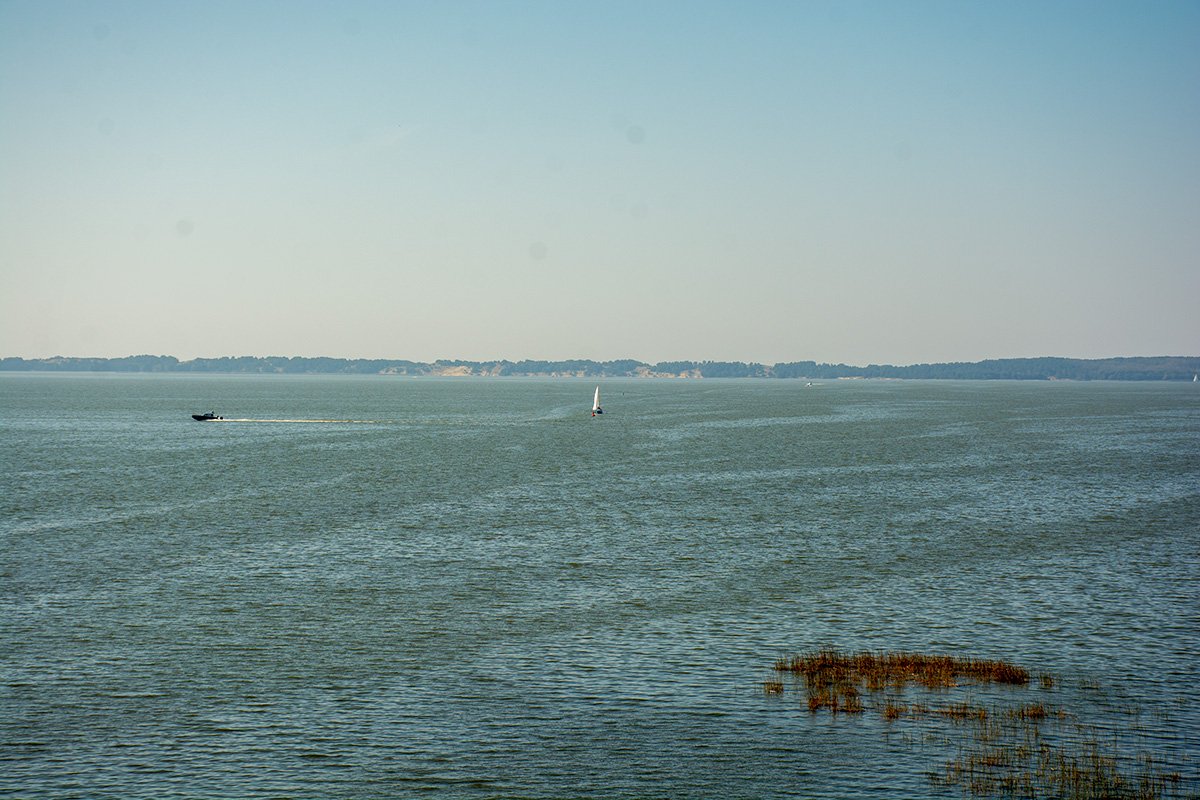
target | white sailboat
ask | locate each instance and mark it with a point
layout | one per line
(596, 409)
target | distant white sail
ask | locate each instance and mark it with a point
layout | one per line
(596, 403)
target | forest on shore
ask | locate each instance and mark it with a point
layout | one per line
(1157, 368)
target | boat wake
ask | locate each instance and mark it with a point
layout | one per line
(310, 421)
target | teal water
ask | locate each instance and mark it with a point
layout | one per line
(471, 588)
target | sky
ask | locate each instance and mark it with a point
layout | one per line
(857, 182)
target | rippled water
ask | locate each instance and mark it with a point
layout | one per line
(471, 588)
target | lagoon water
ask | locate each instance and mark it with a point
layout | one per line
(471, 588)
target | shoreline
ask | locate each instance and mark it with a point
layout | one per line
(1136, 368)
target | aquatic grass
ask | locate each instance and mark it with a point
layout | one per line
(878, 670)
(963, 711)
(1032, 712)
(1014, 759)
(1030, 749)
(843, 697)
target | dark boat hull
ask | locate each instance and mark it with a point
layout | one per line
(206, 417)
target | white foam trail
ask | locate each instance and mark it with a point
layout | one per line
(311, 421)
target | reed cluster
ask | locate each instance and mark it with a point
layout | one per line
(1002, 752)
(880, 670)
(1014, 759)
(834, 680)
(837, 698)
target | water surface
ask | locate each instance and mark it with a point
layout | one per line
(471, 588)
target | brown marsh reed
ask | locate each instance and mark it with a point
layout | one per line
(879, 670)
(1031, 711)
(1003, 751)
(1021, 763)
(833, 679)
(840, 698)
(963, 711)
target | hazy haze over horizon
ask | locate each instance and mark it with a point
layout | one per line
(842, 182)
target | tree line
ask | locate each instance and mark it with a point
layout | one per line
(1156, 368)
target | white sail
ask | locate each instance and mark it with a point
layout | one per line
(596, 401)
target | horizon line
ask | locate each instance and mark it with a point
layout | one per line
(592, 360)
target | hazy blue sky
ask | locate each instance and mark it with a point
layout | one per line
(860, 182)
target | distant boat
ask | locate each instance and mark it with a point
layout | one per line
(596, 409)
(209, 417)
